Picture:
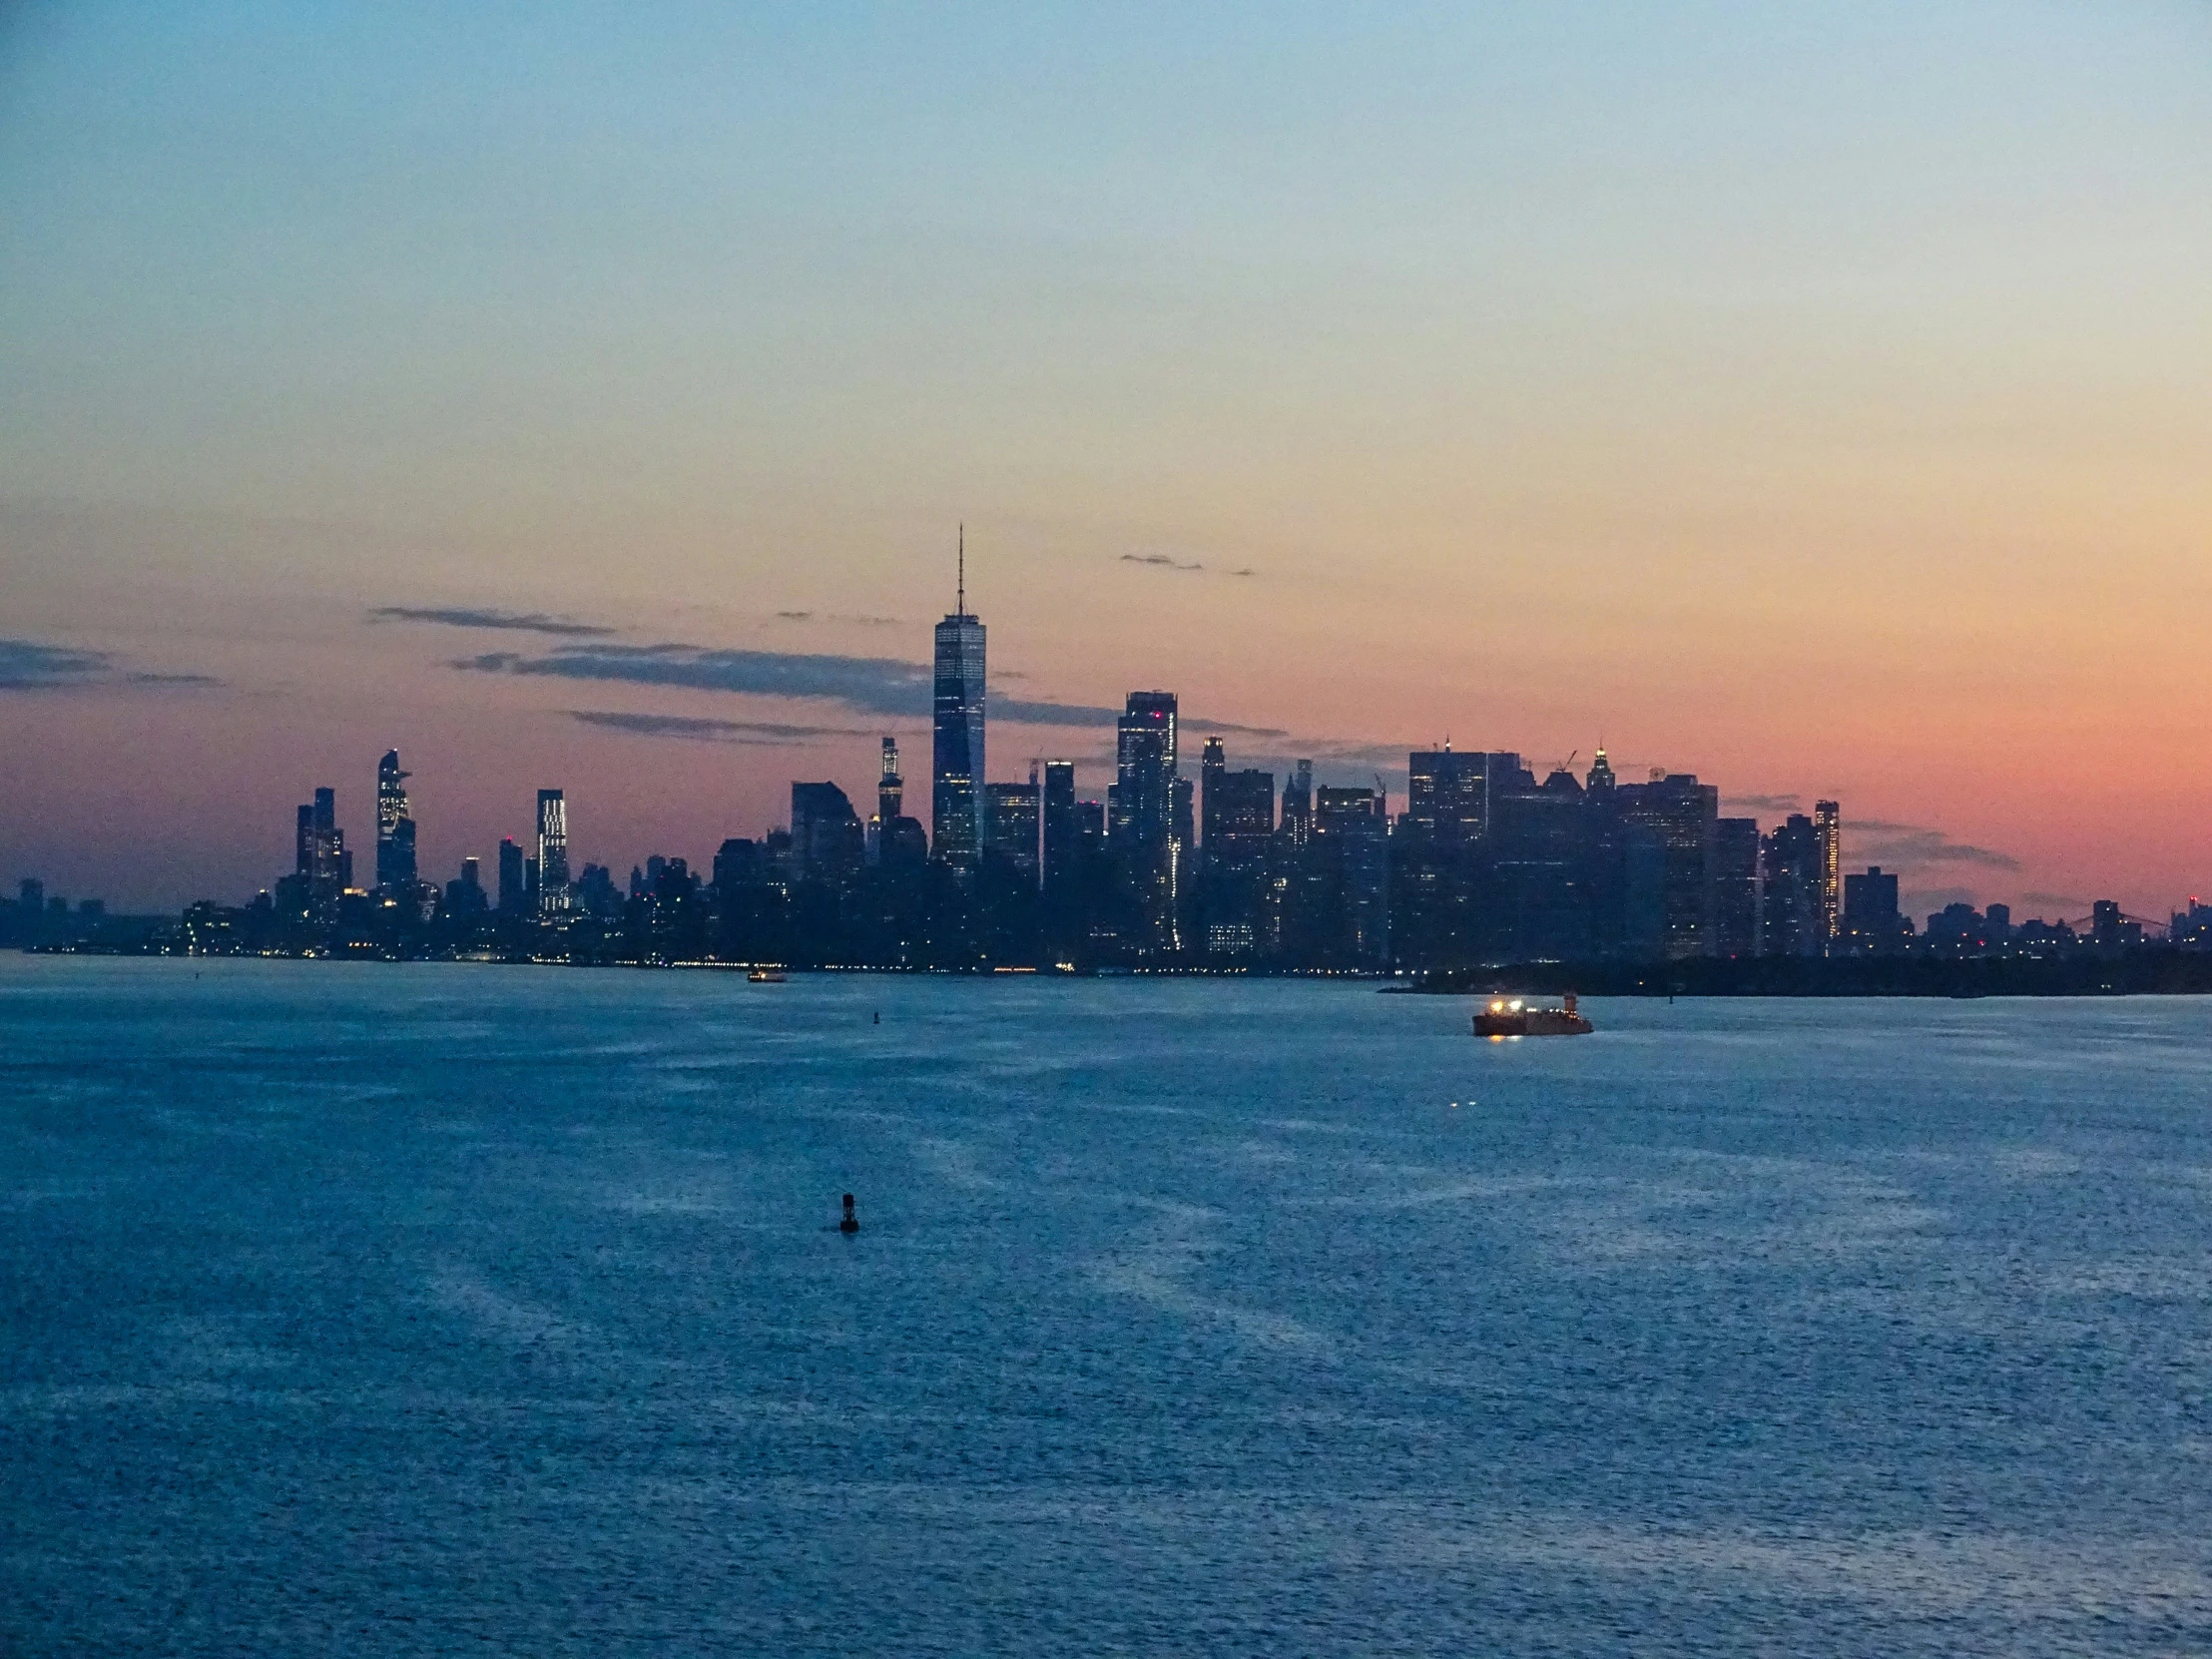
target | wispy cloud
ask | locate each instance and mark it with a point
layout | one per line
(30, 665)
(698, 729)
(1763, 803)
(519, 621)
(848, 617)
(868, 685)
(1909, 844)
(1160, 561)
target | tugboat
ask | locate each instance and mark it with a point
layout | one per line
(765, 977)
(1511, 1017)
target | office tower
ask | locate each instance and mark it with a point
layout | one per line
(31, 896)
(1600, 780)
(1789, 884)
(395, 830)
(1213, 766)
(553, 894)
(466, 896)
(1063, 835)
(1298, 808)
(1684, 814)
(1869, 917)
(1348, 864)
(1828, 839)
(322, 867)
(827, 844)
(1011, 818)
(1997, 927)
(1450, 792)
(956, 760)
(513, 883)
(1736, 912)
(1144, 815)
(890, 788)
(1237, 811)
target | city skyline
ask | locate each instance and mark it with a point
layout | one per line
(1806, 401)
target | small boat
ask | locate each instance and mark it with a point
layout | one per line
(765, 977)
(1511, 1017)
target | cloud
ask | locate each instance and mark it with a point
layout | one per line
(27, 665)
(763, 733)
(873, 685)
(520, 622)
(1913, 843)
(866, 685)
(849, 619)
(2060, 902)
(1245, 570)
(1763, 803)
(1160, 561)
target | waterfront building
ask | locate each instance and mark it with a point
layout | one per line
(553, 895)
(395, 830)
(1737, 895)
(957, 810)
(827, 843)
(1348, 882)
(1871, 919)
(1790, 872)
(1063, 833)
(1684, 816)
(1828, 894)
(514, 898)
(1011, 825)
(1144, 830)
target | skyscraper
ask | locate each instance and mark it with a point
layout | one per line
(1144, 808)
(1063, 836)
(514, 881)
(1012, 818)
(956, 759)
(319, 857)
(890, 788)
(395, 831)
(1736, 902)
(1827, 892)
(1790, 889)
(553, 895)
(826, 834)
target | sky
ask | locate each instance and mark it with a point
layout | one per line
(1808, 397)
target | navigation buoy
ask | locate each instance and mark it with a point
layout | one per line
(879, 1017)
(851, 1222)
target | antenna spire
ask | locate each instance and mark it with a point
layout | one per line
(961, 605)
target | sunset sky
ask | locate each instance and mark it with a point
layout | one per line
(1810, 398)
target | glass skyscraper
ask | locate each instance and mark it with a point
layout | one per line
(1145, 832)
(553, 892)
(956, 760)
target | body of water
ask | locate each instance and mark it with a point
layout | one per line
(360, 1309)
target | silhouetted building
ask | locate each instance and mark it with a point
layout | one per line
(1735, 899)
(465, 897)
(1012, 818)
(1143, 829)
(395, 830)
(1348, 854)
(1871, 919)
(956, 772)
(1790, 908)
(1683, 815)
(321, 866)
(1062, 831)
(1827, 892)
(1237, 809)
(1448, 792)
(553, 894)
(514, 887)
(827, 843)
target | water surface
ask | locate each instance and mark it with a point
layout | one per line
(366, 1308)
